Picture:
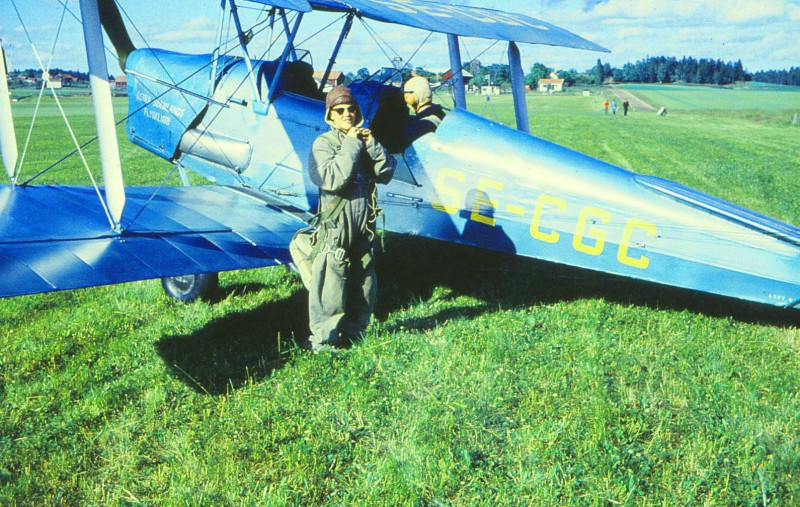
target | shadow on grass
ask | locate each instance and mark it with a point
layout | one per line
(241, 347)
(412, 268)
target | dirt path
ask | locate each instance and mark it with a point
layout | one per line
(636, 103)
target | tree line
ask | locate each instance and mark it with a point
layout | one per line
(660, 69)
(789, 77)
(663, 69)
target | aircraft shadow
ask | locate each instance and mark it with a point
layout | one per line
(241, 347)
(412, 269)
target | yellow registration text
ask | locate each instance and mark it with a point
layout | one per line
(591, 223)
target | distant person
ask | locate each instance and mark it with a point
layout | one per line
(426, 115)
(605, 107)
(625, 106)
(614, 107)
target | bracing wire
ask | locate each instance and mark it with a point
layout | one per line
(377, 42)
(156, 97)
(78, 19)
(375, 36)
(321, 30)
(207, 126)
(60, 107)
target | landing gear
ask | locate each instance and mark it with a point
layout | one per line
(188, 288)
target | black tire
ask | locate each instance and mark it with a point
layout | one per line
(189, 288)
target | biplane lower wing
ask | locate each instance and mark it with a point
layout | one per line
(58, 238)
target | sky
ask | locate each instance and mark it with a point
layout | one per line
(762, 33)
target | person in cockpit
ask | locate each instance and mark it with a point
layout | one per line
(426, 115)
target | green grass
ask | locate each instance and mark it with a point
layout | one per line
(486, 380)
(682, 97)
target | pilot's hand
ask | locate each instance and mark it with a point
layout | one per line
(366, 135)
(354, 132)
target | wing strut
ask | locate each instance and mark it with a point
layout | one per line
(458, 77)
(518, 88)
(348, 24)
(245, 53)
(8, 139)
(103, 111)
(290, 37)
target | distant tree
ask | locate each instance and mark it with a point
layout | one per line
(538, 71)
(738, 71)
(789, 77)
(629, 73)
(362, 73)
(570, 76)
(500, 73)
(599, 72)
(478, 71)
(662, 73)
(419, 71)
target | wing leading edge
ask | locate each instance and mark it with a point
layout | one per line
(457, 20)
(295, 5)
(58, 238)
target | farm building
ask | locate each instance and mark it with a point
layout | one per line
(551, 84)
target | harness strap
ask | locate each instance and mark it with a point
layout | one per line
(322, 221)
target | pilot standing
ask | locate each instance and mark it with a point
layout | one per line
(427, 115)
(346, 163)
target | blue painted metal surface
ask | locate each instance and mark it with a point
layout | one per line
(487, 185)
(457, 79)
(295, 5)
(479, 183)
(160, 111)
(462, 20)
(518, 88)
(56, 238)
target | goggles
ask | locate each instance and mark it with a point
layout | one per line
(340, 110)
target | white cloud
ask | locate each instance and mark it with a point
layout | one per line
(762, 33)
(793, 12)
(648, 9)
(744, 11)
(194, 31)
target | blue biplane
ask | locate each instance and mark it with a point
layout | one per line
(247, 125)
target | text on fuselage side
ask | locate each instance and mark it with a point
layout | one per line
(155, 106)
(588, 238)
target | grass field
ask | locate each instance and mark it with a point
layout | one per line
(690, 98)
(485, 380)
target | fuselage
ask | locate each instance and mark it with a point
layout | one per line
(472, 182)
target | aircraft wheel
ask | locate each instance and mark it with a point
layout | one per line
(188, 288)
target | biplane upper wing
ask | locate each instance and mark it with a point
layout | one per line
(57, 237)
(295, 5)
(460, 20)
